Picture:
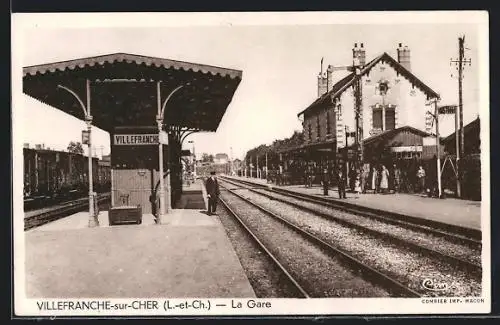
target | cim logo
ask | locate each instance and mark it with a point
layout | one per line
(433, 285)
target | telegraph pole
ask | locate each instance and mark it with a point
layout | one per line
(258, 166)
(460, 100)
(231, 160)
(359, 118)
(459, 123)
(267, 170)
(358, 103)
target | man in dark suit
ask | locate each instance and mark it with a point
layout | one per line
(213, 192)
(341, 182)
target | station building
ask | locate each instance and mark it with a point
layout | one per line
(394, 112)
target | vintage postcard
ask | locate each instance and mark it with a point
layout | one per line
(208, 164)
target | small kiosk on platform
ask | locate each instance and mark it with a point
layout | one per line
(149, 106)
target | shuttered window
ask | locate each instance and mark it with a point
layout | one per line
(390, 118)
(377, 118)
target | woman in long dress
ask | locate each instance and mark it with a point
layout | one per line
(384, 179)
(374, 179)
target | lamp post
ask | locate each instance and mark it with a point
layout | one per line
(194, 159)
(93, 219)
(160, 123)
(438, 154)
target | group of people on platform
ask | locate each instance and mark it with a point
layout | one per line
(396, 177)
(380, 179)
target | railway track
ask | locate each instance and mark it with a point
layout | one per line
(311, 264)
(291, 282)
(408, 263)
(46, 215)
(450, 232)
(464, 255)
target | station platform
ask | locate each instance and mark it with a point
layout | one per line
(456, 212)
(188, 255)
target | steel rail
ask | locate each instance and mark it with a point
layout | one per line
(432, 227)
(264, 248)
(472, 268)
(370, 274)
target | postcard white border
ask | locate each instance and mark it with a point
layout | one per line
(20, 22)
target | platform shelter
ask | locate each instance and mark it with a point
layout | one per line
(148, 105)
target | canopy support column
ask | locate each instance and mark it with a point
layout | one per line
(160, 122)
(93, 218)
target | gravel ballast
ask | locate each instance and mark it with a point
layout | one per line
(266, 279)
(421, 238)
(319, 274)
(409, 267)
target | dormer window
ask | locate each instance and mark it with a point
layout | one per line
(338, 111)
(383, 87)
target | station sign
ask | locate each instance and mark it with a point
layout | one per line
(85, 137)
(448, 109)
(135, 139)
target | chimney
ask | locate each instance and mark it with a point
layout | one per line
(321, 84)
(359, 54)
(404, 56)
(329, 78)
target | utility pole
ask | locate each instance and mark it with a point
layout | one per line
(438, 151)
(346, 151)
(359, 117)
(231, 161)
(459, 123)
(267, 170)
(358, 107)
(258, 175)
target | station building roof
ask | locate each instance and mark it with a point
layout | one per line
(340, 87)
(124, 90)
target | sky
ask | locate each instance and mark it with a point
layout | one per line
(280, 62)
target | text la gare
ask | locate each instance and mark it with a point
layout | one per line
(250, 304)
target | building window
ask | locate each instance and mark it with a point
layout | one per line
(328, 126)
(339, 111)
(377, 118)
(383, 87)
(384, 118)
(390, 118)
(317, 127)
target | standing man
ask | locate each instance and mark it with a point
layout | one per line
(325, 182)
(212, 186)
(341, 182)
(396, 179)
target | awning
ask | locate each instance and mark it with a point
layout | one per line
(124, 90)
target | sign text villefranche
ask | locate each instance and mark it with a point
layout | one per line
(135, 139)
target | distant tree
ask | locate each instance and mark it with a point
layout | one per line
(273, 150)
(75, 147)
(205, 157)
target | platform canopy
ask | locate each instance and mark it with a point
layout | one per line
(123, 90)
